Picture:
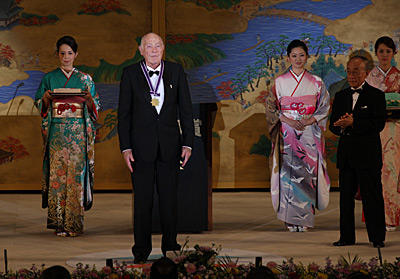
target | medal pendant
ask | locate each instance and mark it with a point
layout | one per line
(154, 102)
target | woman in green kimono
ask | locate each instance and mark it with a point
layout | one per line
(69, 133)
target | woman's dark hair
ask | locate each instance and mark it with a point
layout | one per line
(67, 40)
(55, 272)
(296, 43)
(387, 41)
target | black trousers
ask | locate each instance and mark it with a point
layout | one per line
(370, 184)
(145, 175)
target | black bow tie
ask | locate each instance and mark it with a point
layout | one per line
(359, 90)
(151, 73)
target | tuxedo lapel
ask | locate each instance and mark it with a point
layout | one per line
(144, 88)
(349, 101)
(167, 81)
(361, 97)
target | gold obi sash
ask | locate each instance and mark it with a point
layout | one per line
(67, 110)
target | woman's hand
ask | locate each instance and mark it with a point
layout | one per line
(87, 96)
(46, 99)
(295, 124)
(308, 122)
(88, 100)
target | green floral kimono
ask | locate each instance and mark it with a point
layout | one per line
(68, 164)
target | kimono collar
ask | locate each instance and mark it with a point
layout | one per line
(297, 77)
(68, 75)
(383, 72)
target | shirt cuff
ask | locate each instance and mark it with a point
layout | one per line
(126, 150)
(187, 147)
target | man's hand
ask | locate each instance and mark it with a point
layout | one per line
(344, 121)
(128, 158)
(186, 152)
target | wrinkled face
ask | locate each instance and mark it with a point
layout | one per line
(384, 54)
(356, 72)
(298, 58)
(152, 49)
(66, 56)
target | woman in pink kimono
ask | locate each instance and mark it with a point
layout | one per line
(387, 78)
(297, 113)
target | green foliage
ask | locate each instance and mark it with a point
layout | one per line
(53, 17)
(349, 260)
(111, 119)
(213, 38)
(262, 147)
(331, 147)
(107, 72)
(28, 16)
(195, 53)
(216, 135)
(322, 66)
(121, 11)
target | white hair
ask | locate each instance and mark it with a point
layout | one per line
(145, 37)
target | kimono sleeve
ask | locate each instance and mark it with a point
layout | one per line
(272, 110)
(43, 87)
(322, 107)
(96, 100)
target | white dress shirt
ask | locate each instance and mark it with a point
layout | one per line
(356, 94)
(160, 90)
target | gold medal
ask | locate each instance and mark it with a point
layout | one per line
(154, 102)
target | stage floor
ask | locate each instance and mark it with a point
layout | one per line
(243, 221)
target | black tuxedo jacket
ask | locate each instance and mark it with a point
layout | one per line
(360, 145)
(141, 128)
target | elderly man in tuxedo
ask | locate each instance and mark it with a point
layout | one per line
(358, 116)
(154, 95)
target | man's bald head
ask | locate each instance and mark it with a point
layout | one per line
(152, 49)
(150, 35)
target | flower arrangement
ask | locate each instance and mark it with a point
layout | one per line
(203, 262)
